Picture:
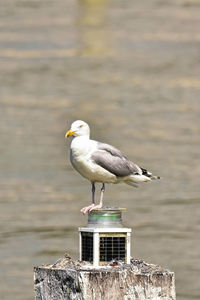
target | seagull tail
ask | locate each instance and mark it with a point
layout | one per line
(129, 182)
(154, 177)
(149, 174)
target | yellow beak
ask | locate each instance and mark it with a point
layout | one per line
(68, 133)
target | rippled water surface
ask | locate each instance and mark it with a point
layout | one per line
(131, 70)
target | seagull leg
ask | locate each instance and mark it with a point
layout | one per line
(84, 210)
(93, 193)
(101, 199)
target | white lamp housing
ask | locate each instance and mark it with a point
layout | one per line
(105, 239)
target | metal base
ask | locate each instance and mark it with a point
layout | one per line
(107, 216)
(105, 234)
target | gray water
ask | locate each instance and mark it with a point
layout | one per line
(131, 69)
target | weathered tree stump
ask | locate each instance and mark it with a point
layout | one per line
(75, 280)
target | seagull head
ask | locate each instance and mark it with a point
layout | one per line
(78, 128)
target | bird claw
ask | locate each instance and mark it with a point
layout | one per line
(86, 209)
(96, 207)
(91, 207)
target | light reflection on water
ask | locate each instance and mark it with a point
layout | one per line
(132, 71)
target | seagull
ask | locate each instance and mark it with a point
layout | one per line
(100, 162)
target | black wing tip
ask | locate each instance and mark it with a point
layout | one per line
(155, 177)
(148, 174)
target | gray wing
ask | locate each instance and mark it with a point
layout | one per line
(113, 160)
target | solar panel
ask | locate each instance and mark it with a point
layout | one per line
(112, 248)
(87, 246)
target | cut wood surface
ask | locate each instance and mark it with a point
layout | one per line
(75, 280)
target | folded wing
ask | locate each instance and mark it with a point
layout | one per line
(113, 160)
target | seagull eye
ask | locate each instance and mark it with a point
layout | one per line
(80, 126)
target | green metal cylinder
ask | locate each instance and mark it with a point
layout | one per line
(106, 217)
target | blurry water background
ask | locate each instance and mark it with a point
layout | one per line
(131, 69)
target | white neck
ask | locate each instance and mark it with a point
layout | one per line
(80, 144)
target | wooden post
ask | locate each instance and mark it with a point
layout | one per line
(75, 280)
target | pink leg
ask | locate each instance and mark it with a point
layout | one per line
(84, 210)
(101, 199)
(91, 207)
